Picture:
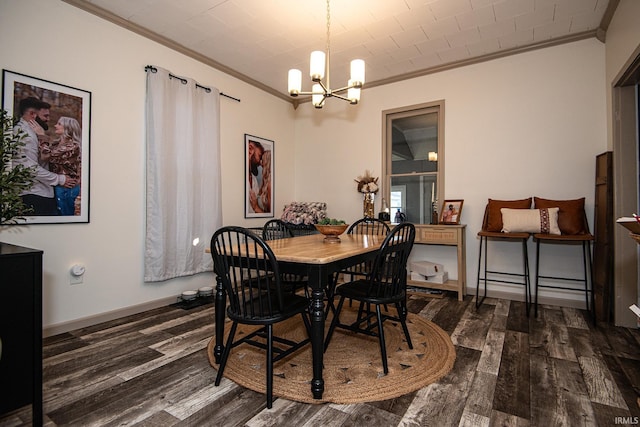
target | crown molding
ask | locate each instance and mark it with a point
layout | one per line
(484, 58)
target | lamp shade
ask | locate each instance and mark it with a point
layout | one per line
(316, 66)
(295, 81)
(357, 72)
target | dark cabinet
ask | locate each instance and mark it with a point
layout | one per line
(21, 329)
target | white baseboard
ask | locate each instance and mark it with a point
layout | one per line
(84, 322)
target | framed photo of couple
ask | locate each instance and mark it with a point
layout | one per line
(259, 179)
(56, 119)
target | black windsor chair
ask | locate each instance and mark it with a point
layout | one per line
(385, 284)
(250, 275)
(277, 229)
(370, 227)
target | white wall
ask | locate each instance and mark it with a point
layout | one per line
(525, 125)
(54, 41)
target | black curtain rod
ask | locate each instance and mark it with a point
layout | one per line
(184, 82)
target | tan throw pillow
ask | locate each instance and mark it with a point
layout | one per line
(570, 215)
(494, 217)
(530, 220)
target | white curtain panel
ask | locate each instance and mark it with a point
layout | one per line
(183, 196)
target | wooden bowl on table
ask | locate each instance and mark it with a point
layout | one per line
(331, 232)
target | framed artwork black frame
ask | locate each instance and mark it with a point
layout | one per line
(66, 102)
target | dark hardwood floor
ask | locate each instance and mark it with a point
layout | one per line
(151, 369)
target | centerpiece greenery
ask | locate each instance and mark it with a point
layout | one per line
(331, 221)
(331, 228)
(14, 178)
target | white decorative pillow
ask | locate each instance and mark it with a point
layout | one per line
(530, 220)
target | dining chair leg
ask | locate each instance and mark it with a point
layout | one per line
(525, 267)
(479, 300)
(368, 312)
(334, 322)
(269, 366)
(402, 315)
(225, 353)
(330, 293)
(360, 309)
(537, 279)
(528, 274)
(307, 323)
(584, 267)
(383, 345)
(586, 255)
(220, 303)
(351, 276)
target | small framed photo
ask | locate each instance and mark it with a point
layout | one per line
(56, 119)
(259, 181)
(451, 210)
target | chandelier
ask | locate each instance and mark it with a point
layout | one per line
(318, 68)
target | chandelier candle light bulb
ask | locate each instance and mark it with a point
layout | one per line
(317, 65)
(295, 82)
(357, 73)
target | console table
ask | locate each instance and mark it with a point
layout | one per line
(448, 235)
(21, 329)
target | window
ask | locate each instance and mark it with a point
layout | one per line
(397, 198)
(413, 159)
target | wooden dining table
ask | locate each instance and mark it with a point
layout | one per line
(312, 257)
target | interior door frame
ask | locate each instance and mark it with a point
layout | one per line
(626, 194)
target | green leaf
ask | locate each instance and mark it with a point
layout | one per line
(13, 179)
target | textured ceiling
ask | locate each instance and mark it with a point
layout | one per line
(260, 40)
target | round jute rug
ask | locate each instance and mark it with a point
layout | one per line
(352, 363)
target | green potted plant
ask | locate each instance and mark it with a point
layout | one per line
(14, 178)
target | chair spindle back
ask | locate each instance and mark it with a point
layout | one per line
(389, 274)
(249, 272)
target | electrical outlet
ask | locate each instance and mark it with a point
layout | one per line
(75, 280)
(77, 274)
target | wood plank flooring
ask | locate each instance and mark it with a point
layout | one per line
(151, 369)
